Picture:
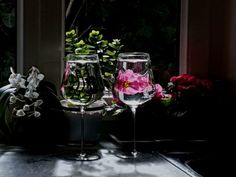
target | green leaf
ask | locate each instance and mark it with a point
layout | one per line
(68, 39)
(90, 46)
(104, 43)
(82, 51)
(6, 92)
(70, 33)
(68, 49)
(108, 52)
(93, 33)
(66, 58)
(80, 43)
(8, 118)
(112, 45)
(82, 94)
(108, 74)
(4, 100)
(100, 37)
(118, 111)
(2, 89)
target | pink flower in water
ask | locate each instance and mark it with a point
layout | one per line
(132, 83)
(159, 92)
(65, 77)
(67, 71)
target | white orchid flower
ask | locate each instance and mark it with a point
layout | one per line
(16, 80)
(37, 114)
(30, 77)
(35, 95)
(33, 83)
(35, 70)
(27, 94)
(37, 103)
(22, 83)
(12, 80)
(12, 70)
(20, 113)
(30, 87)
(12, 99)
(31, 95)
(40, 77)
(26, 107)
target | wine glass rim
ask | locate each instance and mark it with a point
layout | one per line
(133, 54)
(84, 56)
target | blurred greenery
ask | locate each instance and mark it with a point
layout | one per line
(7, 38)
(142, 25)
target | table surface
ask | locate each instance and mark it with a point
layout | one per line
(43, 161)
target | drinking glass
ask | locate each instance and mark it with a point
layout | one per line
(82, 85)
(133, 86)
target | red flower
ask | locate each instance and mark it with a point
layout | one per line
(186, 84)
(184, 79)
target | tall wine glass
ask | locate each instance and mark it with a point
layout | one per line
(133, 86)
(82, 85)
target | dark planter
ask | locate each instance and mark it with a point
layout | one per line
(92, 123)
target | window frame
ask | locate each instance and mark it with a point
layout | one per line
(20, 35)
(36, 45)
(183, 38)
(22, 59)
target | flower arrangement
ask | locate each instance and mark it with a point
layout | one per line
(29, 104)
(188, 85)
(25, 94)
(187, 93)
(181, 95)
(132, 83)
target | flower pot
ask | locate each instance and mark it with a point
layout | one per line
(92, 123)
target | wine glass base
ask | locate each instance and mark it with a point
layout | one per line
(84, 157)
(133, 155)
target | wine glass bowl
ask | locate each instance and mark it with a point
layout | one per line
(82, 85)
(133, 86)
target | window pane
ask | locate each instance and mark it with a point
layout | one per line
(7, 38)
(142, 25)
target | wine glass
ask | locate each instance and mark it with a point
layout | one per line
(82, 85)
(133, 86)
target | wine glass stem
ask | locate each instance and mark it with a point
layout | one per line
(82, 110)
(133, 109)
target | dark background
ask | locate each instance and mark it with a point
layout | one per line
(7, 38)
(142, 25)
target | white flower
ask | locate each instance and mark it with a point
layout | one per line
(26, 107)
(20, 113)
(35, 95)
(36, 114)
(12, 70)
(22, 83)
(37, 103)
(16, 80)
(31, 95)
(40, 77)
(12, 99)
(27, 94)
(30, 87)
(33, 84)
